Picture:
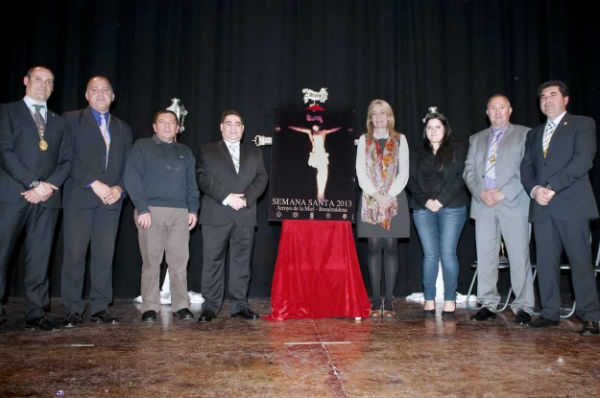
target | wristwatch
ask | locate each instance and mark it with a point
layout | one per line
(34, 184)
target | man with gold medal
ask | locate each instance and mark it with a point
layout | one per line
(35, 160)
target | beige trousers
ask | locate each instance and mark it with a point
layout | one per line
(168, 234)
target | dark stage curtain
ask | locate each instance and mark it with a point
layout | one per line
(255, 55)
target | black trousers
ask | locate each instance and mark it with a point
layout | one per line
(39, 223)
(574, 236)
(95, 228)
(216, 240)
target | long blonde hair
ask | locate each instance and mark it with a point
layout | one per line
(390, 116)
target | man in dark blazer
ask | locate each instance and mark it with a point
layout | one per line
(232, 176)
(92, 200)
(35, 160)
(554, 171)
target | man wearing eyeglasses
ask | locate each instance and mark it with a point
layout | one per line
(232, 176)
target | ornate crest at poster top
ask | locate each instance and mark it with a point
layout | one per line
(179, 110)
(315, 96)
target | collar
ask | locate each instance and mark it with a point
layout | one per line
(161, 142)
(97, 115)
(30, 102)
(557, 120)
(500, 130)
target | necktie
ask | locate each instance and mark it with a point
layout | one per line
(492, 155)
(105, 136)
(40, 123)
(547, 137)
(104, 131)
(39, 119)
(234, 150)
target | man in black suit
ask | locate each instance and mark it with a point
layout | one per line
(35, 160)
(554, 171)
(231, 176)
(93, 196)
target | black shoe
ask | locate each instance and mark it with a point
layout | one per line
(207, 316)
(41, 323)
(246, 313)
(72, 320)
(183, 313)
(149, 316)
(448, 314)
(2, 315)
(483, 315)
(104, 317)
(590, 328)
(541, 322)
(522, 318)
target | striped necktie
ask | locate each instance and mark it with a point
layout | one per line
(550, 128)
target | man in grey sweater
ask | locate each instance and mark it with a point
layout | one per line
(160, 179)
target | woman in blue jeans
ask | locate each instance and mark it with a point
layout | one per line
(439, 202)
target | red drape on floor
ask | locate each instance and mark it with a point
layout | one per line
(317, 274)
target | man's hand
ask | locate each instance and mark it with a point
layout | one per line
(434, 205)
(192, 220)
(543, 195)
(236, 201)
(113, 195)
(491, 197)
(100, 189)
(144, 220)
(41, 193)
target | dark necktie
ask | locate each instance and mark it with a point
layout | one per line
(39, 119)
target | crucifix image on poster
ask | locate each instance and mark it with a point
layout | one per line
(312, 179)
(318, 158)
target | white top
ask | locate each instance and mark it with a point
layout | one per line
(401, 179)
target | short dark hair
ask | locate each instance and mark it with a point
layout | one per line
(162, 112)
(30, 71)
(562, 87)
(231, 112)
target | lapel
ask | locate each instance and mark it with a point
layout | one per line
(25, 114)
(91, 125)
(505, 144)
(225, 152)
(483, 144)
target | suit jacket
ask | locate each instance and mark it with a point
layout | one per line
(217, 179)
(89, 158)
(565, 169)
(22, 161)
(508, 173)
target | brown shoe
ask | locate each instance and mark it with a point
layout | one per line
(375, 314)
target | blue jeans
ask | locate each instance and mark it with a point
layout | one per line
(439, 233)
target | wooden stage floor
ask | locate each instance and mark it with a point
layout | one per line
(411, 356)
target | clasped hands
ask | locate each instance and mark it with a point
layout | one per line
(41, 193)
(236, 201)
(543, 195)
(108, 195)
(434, 205)
(491, 197)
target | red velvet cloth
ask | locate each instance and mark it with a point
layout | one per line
(317, 274)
